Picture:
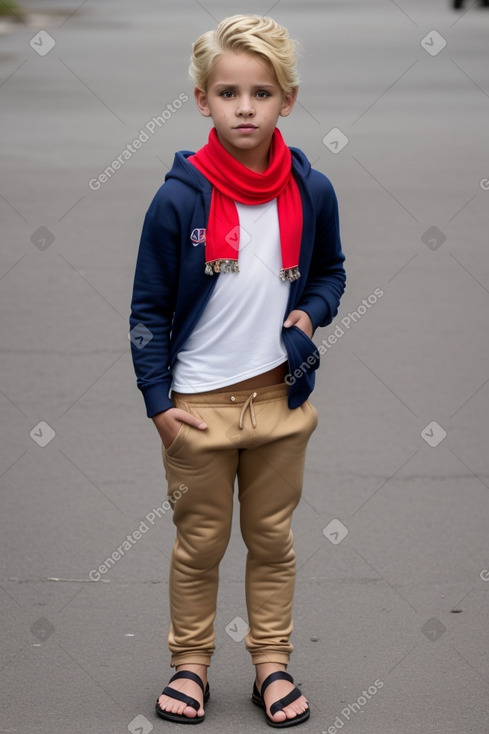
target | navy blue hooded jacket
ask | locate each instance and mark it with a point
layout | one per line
(171, 289)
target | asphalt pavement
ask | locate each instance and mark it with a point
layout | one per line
(391, 611)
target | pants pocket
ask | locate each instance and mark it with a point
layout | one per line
(181, 435)
(178, 440)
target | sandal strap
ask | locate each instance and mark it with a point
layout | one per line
(285, 701)
(190, 675)
(178, 695)
(173, 693)
(278, 675)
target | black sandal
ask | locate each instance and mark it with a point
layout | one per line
(258, 700)
(173, 693)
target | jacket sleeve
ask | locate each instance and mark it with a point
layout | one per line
(327, 278)
(152, 309)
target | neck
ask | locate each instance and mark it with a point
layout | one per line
(256, 159)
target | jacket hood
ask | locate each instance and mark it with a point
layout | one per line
(185, 172)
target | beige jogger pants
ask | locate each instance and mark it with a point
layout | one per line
(255, 437)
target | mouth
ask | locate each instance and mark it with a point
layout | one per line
(245, 127)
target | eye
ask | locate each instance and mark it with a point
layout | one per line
(227, 94)
(262, 94)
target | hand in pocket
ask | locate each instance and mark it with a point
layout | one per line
(301, 320)
(168, 424)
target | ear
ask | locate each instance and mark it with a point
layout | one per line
(289, 102)
(201, 101)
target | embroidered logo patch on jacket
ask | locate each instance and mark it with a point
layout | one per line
(198, 236)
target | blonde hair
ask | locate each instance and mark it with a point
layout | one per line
(251, 34)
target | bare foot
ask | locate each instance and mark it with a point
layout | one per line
(276, 690)
(190, 688)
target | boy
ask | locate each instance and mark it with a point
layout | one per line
(239, 261)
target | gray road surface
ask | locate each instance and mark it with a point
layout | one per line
(391, 535)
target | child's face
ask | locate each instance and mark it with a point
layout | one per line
(245, 101)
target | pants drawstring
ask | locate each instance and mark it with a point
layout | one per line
(248, 403)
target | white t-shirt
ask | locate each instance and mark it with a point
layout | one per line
(238, 334)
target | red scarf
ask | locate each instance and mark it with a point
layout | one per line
(232, 181)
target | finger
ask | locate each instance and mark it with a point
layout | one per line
(292, 319)
(192, 420)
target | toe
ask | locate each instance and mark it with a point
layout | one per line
(279, 716)
(296, 708)
(191, 713)
(173, 706)
(162, 703)
(290, 712)
(170, 705)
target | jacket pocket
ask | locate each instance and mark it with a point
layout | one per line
(304, 359)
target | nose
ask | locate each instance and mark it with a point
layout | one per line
(245, 107)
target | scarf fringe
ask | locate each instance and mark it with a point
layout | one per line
(221, 266)
(231, 266)
(289, 274)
